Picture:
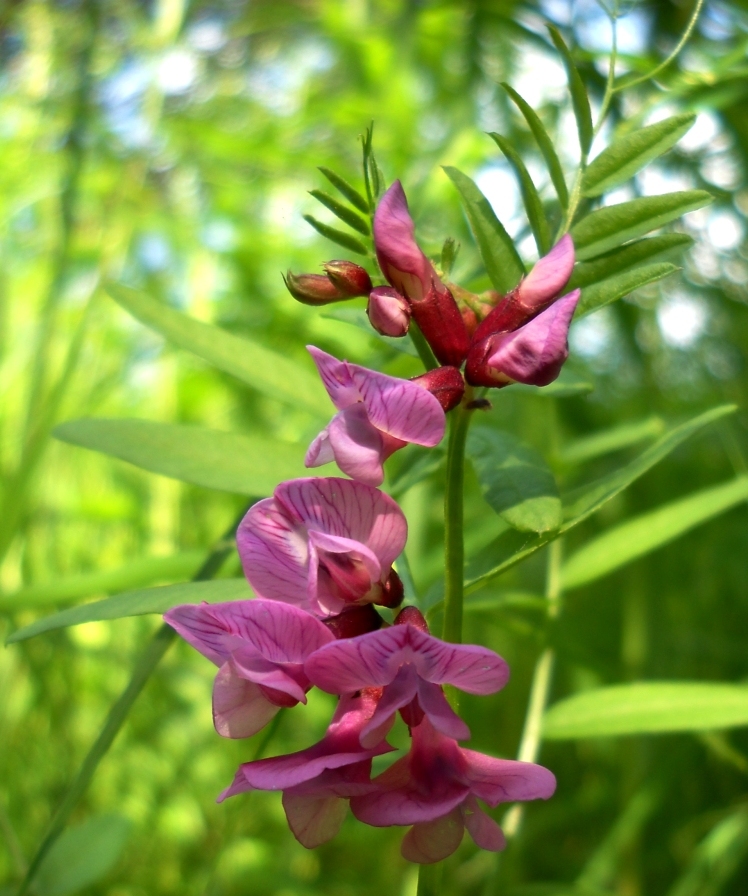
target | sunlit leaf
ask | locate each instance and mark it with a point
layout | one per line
(606, 291)
(138, 603)
(647, 532)
(503, 265)
(650, 707)
(270, 372)
(247, 465)
(626, 155)
(515, 480)
(614, 439)
(337, 236)
(579, 98)
(349, 191)
(608, 227)
(632, 255)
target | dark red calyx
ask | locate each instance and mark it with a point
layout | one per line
(393, 591)
(313, 289)
(412, 616)
(350, 278)
(445, 384)
(440, 321)
(356, 621)
(412, 714)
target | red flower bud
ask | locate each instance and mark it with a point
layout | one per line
(393, 591)
(441, 323)
(356, 621)
(350, 278)
(445, 384)
(388, 311)
(313, 289)
(412, 616)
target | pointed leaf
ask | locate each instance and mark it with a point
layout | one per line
(637, 537)
(346, 215)
(716, 858)
(545, 144)
(614, 288)
(247, 465)
(349, 191)
(579, 99)
(626, 155)
(530, 197)
(271, 373)
(608, 227)
(515, 480)
(503, 264)
(626, 257)
(337, 236)
(138, 603)
(650, 707)
(609, 440)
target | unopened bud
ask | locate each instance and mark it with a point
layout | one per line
(388, 311)
(445, 384)
(441, 323)
(313, 289)
(393, 591)
(350, 278)
(412, 616)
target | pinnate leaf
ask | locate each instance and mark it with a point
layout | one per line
(606, 291)
(346, 215)
(579, 98)
(349, 191)
(626, 257)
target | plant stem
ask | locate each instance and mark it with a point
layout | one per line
(430, 879)
(422, 347)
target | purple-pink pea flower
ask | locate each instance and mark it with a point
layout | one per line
(324, 545)
(260, 647)
(411, 666)
(377, 414)
(436, 787)
(315, 781)
(388, 311)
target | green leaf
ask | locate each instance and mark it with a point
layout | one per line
(357, 317)
(614, 439)
(579, 99)
(349, 191)
(337, 236)
(269, 372)
(716, 858)
(650, 707)
(346, 215)
(632, 255)
(606, 291)
(144, 571)
(628, 154)
(82, 855)
(449, 253)
(645, 533)
(608, 227)
(545, 145)
(530, 197)
(503, 265)
(247, 465)
(511, 548)
(515, 480)
(138, 603)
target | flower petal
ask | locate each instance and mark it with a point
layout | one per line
(441, 715)
(432, 841)
(506, 780)
(336, 378)
(395, 695)
(320, 451)
(469, 667)
(549, 276)
(482, 828)
(314, 819)
(253, 667)
(357, 445)
(406, 805)
(239, 707)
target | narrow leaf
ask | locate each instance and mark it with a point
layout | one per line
(545, 145)
(648, 708)
(530, 197)
(614, 439)
(503, 264)
(579, 99)
(614, 288)
(626, 257)
(138, 603)
(247, 465)
(628, 154)
(337, 236)
(716, 858)
(346, 215)
(515, 480)
(349, 191)
(645, 533)
(608, 227)
(271, 373)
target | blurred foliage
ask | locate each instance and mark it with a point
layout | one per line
(172, 146)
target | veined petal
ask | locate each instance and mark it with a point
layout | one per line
(407, 805)
(507, 780)
(277, 677)
(336, 378)
(401, 690)
(313, 819)
(469, 667)
(432, 841)
(357, 445)
(320, 451)
(549, 276)
(441, 715)
(482, 828)
(239, 707)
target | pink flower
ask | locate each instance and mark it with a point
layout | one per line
(315, 781)
(436, 787)
(260, 647)
(377, 415)
(324, 545)
(410, 665)
(409, 271)
(388, 311)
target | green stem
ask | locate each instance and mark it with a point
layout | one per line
(430, 879)
(422, 347)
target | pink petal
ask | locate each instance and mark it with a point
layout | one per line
(253, 667)
(357, 445)
(407, 805)
(199, 627)
(482, 828)
(441, 715)
(320, 451)
(395, 695)
(506, 780)
(433, 841)
(239, 707)
(535, 353)
(388, 312)
(401, 260)
(314, 819)
(549, 276)
(336, 378)
(474, 669)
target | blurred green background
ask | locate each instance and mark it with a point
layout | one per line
(171, 146)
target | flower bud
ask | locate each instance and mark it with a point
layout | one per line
(353, 622)
(445, 384)
(441, 323)
(313, 289)
(350, 278)
(388, 311)
(412, 616)
(393, 591)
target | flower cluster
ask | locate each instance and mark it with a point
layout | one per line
(319, 556)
